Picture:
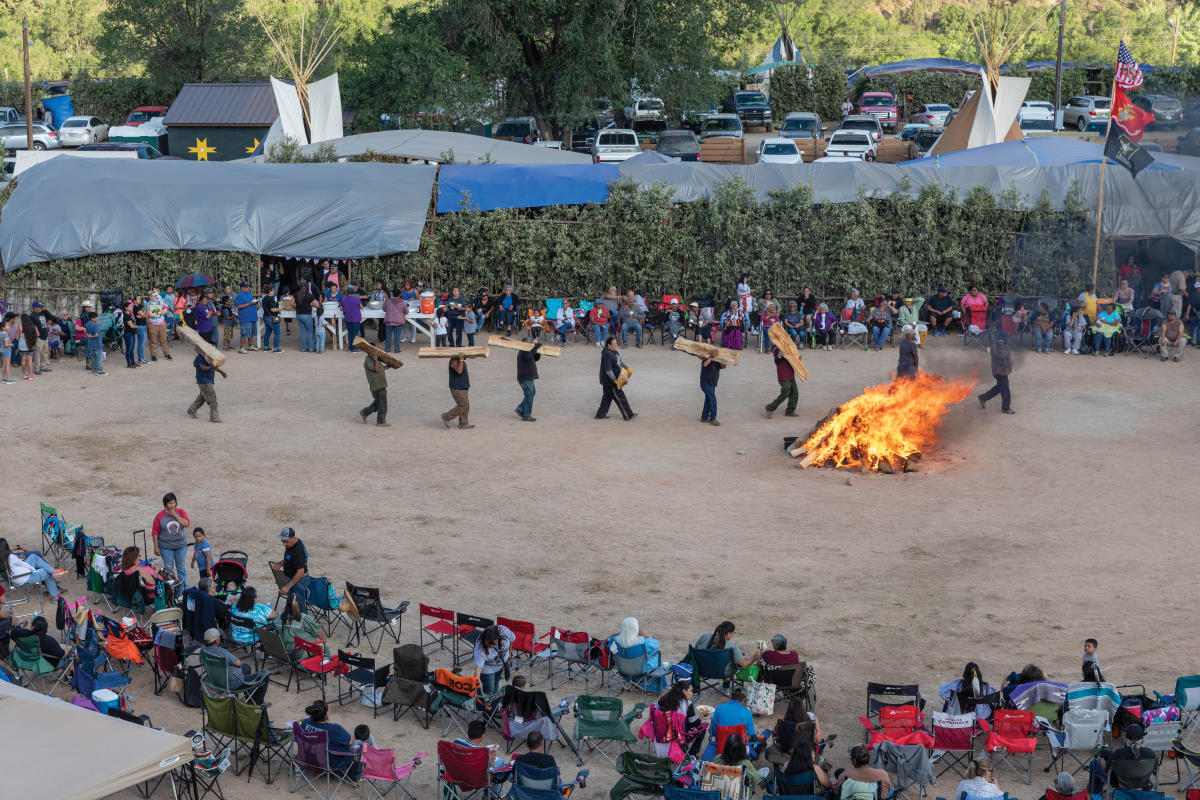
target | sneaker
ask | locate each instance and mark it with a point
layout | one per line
(58, 572)
(277, 350)
(982, 402)
(382, 424)
(167, 356)
(1007, 411)
(242, 350)
(363, 415)
(214, 419)
(28, 378)
(446, 423)
(517, 411)
(154, 358)
(253, 347)
(7, 380)
(1067, 352)
(713, 422)
(465, 427)
(1162, 358)
(769, 411)
(191, 413)
(1174, 358)
(47, 369)
(528, 419)
(101, 372)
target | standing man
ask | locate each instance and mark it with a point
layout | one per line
(247, 315)
(270, 309)
(95, 356)
(294, 566)
(377, 383)
(847, 108)
(610, 369)
(787, 384)
(304, 300)
(907, 365)
(710, 373)
(941, 311)
(169, 533)
(1001, 367)
(206, 317)
(43, 319)
(1179, 290)
(205, 383)
(156, 325)
(526, 374)
(460, 383)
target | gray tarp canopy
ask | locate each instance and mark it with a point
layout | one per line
(1157, 203)
(437, 146)
(73, 207)
(54, 749)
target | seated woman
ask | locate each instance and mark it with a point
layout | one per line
(959, 695)
(684, 731)
(770, 316)
(295, 622)
(340, 740)
(793, 320)
(252, 612)
(722, 639)
(139, 575)
(801, 769)
(863, 782)
(52, 650)
(734, 754)
(1064, 788)
(978, 782)
(779, 655)
(28, 566)
(824, 327)
(629, 636)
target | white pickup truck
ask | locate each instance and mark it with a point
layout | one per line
(854, 143)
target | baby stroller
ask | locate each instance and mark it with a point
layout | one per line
(229, 574)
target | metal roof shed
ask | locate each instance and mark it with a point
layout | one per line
(219, 121)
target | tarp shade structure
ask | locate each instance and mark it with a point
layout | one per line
(55, 749)
(1158, 203)
(446, 147)
(302, 210)
(1045, 151)
(650, 157)
(949, 65)
(484, 187)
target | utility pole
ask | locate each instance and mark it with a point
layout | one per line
(28, 87)
(1062, 16)
(1174, 38)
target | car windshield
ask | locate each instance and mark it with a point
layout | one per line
(926, 138)
(618, 139)
(799, 124)
(860, 125)
(149, 152)
(722, 124)
(75, 123)
(750, 97)
(676, 143)
(1101, 102)
(779, 149)
(140, 116)
(512, 129)
(877, 101)
(650, 105)
(849, 138)
(1167, 102)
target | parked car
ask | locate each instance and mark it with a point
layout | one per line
(857, 143)
(881, 105)
(602, 111)
(550, 144)
(693, 118)
(802, 125)
(614, 145)
(864, 122)
(1035, 116)
(910, 130)
(143, 113)
(751, 108)
(722, 126)
(1081, 111)
(679, 143)
(778, 150)
(582, 138)
(81, 130)
(1189, 143)
(931, 114)
(925, 139)
(648, 130)
(14, 137)
(9, 114)
(1167, 110)
(143, 150)
(518, 129)
(645, 108)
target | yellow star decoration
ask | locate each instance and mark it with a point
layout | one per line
(254, 146)
(202, 149)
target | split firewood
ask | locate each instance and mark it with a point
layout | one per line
(514, 344)
(701, 350)
(479, 351)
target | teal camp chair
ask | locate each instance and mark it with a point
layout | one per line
(31, 666)
(603, 720)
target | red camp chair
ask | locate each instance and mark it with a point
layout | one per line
(725, 731)
(441, 629)
(954, 735)
(318, 665)
(525, 646)
(666, 301)
(464, 772)
(1012, 738)
(900, 724)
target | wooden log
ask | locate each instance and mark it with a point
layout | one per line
(701, 350)
(479, 351)
(214, 356)
(623, 378)
(515, 344)
(370, 349)
(787, 348)
(799, 450)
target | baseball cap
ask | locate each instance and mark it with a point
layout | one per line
(38, 304)
(779, 640)
(943, 289)
(212, 636)
(286, 534)
(86, 304)
(245, 283)
(1134, 732)
(674, 301)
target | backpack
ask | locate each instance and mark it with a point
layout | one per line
(193, 690)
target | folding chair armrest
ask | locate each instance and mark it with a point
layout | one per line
(634, 713)
(984, 725)
(866, 723)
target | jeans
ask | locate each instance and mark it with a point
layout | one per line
(631, 325)
(525, 409)
(1041, 341)
(352, 331)
(598, 331)
(1097, 338)
(141, 342)
(395, 335)
(506, 317)
(456, 332)
(378, 406)
(563, 330)
(176, 561)
(95, 361)
(43, 573)
(710, 402)
(130, 348)
(319, 335)
(306, 333)
(489, 682)
(1001, 388)
(880, 334)
(272, 327)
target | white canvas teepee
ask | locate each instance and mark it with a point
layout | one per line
(983, 120)
(324, 108)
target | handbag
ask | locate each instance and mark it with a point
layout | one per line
(760, 698)
(175, 684)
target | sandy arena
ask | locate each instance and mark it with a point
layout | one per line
(1020, 536)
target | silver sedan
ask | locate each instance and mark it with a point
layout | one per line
(77, 131)
(44, 137)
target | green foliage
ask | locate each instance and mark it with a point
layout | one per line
(919, 88)
(62, 36)
(110, 99)
(289, 151)
(820, 88)
(136, 272)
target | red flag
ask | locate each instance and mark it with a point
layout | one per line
(1128, 117)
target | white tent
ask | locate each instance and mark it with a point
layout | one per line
(444, 147)
(55, 749)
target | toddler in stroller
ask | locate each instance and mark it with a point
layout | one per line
(229, 575)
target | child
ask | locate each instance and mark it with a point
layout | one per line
(470, 324)
(439, 329)
(1091, 664)
(201, 552)
(227, 316)
(6, 345)
(55, 341)
(362, 735)
(537, 321)
(95, 356)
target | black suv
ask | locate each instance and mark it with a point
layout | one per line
(752, 109)
(1167, 110)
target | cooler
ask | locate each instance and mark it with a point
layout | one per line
(427, 302)
(104, 699)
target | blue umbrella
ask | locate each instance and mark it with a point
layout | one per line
(192, 281)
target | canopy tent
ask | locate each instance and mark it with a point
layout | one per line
(1157, 203)
(949, 65)
(55, 749)
(301, 210)
(443, 147)
(650, 157)
(1044, 151)
(783, 54)
(484, 187)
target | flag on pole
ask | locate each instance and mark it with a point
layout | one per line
(1126, 152)
(1129, 118)
(1128, 74)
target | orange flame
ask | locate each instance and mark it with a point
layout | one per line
(891, 421)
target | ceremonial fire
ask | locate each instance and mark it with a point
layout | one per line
(886, 428)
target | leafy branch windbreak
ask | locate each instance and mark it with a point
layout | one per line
(641, 238)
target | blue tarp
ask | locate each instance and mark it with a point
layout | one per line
(60, 106)
(915, 65)
(1045, 151)
(485, 187)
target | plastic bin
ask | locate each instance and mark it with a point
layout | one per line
(427, 302)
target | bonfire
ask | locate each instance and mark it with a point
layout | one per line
(886, 428)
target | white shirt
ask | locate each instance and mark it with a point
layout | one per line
(564, 315)
(439, 326)
(978, 787)
(18, 570)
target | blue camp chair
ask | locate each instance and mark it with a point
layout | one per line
(710, 668)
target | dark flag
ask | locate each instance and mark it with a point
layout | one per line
(1126, 152)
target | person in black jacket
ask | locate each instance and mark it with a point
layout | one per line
(1001, 369)
(460, 383)
(710, 373)
(610, 370)
(526, 374)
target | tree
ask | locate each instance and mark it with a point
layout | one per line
(178, 41)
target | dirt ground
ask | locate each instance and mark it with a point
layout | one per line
(1021, 536)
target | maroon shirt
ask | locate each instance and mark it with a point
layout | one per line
(775, 658)
(784, 372)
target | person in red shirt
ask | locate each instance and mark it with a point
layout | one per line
(787, 386)
(599, 318)
(779, 655)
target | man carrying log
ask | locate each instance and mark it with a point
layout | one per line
(611, 367)
(526, 374)
(205, 382)
(710, 373)
(377, 383)
(787, 385)
(460, 382)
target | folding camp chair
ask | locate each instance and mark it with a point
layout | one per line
(881, 695)
(1092, 695)
(681, 793)
(1012, 738)
(792, 785)
(317, 665)
(711, 669)
(408, 688)
(1081, 733)
(10, 590)
(977, 317)
(542, 781)
(435, 634)
(219, 722)
(1133, 794)
(456, 695)
(852, 329)
(525, 646)
(569, 655)
(791, 680)
(323, 608)
(729, 781)
(262, 743)
(164, 660)
(1191, 763)
(360, 677)
(468, 627)
(31, 666)
(278, 660)
(1160, 738)
(58, 538)
(907, 762)
(953, 741)
(373, 616)
(643, 774)
(1141, 331)
(247, 630)
(1140, 773)
(379, 767)
(314, 763)
(630, 671)
(898, 724)
(464, 773)
(518, 712)
(600, 720)
(1187, 699)
(1044, 698)
(216, 678)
